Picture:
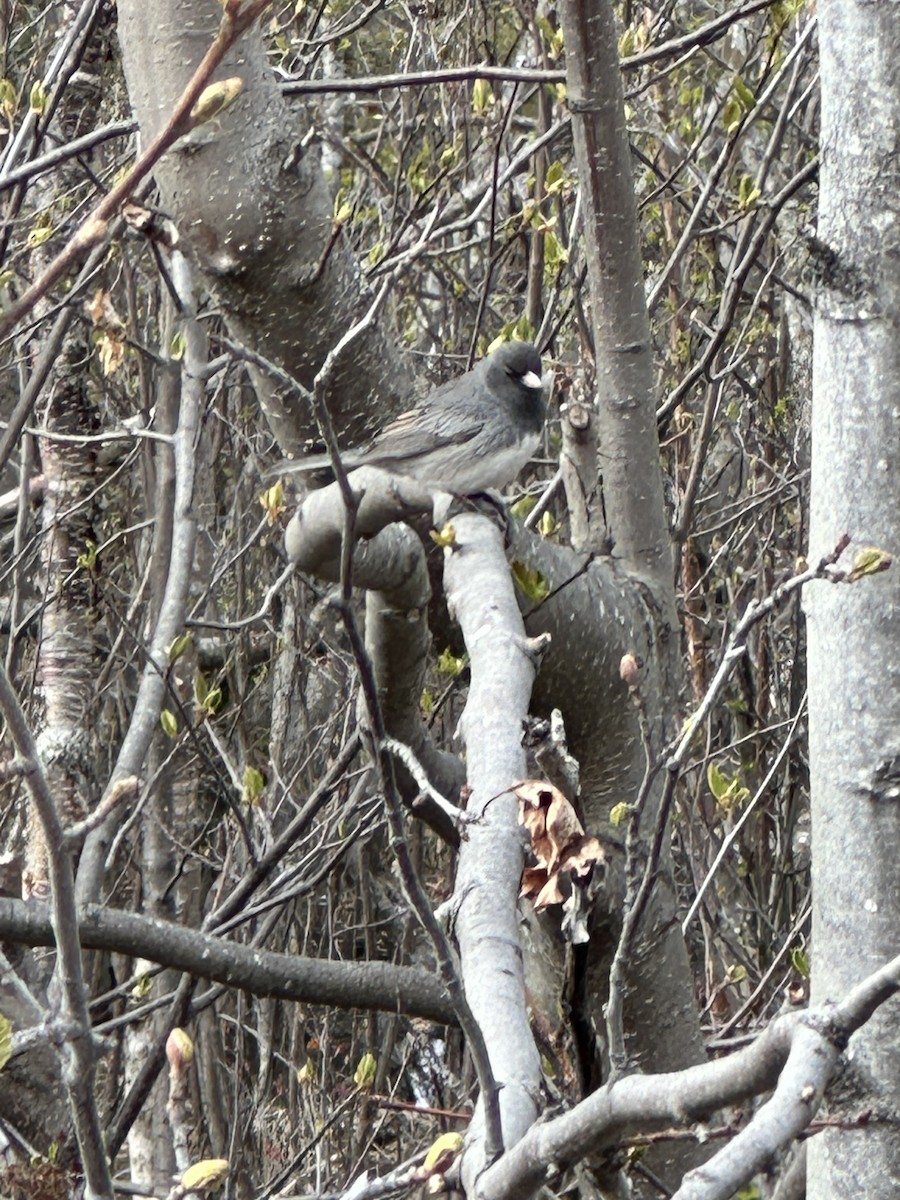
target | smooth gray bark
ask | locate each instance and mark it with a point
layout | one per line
(854, 631)
(635, 613)
(481, 595)
(249, 195)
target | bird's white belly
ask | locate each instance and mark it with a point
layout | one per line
(467, 472)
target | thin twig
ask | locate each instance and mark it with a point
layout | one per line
(68, 150)
(673, 760)
(702, 36)
(235, 20)
(77, 1051)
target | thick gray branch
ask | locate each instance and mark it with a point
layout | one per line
(385, 557)
(502, 660)
(796, 1055)
(625, 383)
(375, 986)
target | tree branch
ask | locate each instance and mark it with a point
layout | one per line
(77, 1052)
(797, 1054)
(482, 598)
(373, 986)
(236, 19)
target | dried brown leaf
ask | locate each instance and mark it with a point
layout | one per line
(581, 855)
(549, 894)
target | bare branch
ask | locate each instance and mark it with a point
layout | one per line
(148, 704)
(77, 1051)
(797, 1054)
(375, 986)
(235, 21)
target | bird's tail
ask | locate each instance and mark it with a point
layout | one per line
(317, 467)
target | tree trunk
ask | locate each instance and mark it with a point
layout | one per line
(854, 631)
(257, 213)
(662, 1026)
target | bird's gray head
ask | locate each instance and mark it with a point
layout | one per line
(519, 362)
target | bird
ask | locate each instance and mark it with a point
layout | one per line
(472, 434)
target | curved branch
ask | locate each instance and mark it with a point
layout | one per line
(382, 559)
(375, 986)
(797, 1055)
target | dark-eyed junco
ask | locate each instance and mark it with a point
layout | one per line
(469, 435)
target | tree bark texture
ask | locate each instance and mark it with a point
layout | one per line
(257, 212)
(854, 631)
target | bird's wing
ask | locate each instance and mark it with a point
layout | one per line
(446, 418)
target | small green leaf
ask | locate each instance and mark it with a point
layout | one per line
(87, 560)
(169, 723)
(37, 99)
(522, 507)
(783, 13)
(717, 782)
(177, 346)
(555, 255)
(208, 699)
(729, 793)
(619, 813)
(6, 1032)
(748, 192)
(482, 96)
(443, 537)
(364, 1075)
(7, 99)
(530, 581)
(215, 99)
(548, 525)
(553, 37)
(38, 235)
(272, 500)
(556, 179)
(744, 94)
(868, 560)
(141, 988)
(732, 113)
(343, 209)
(626, 43)
(448, 664)
(253, 784)
(800, 962)
(179, 646)
(421, 170)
